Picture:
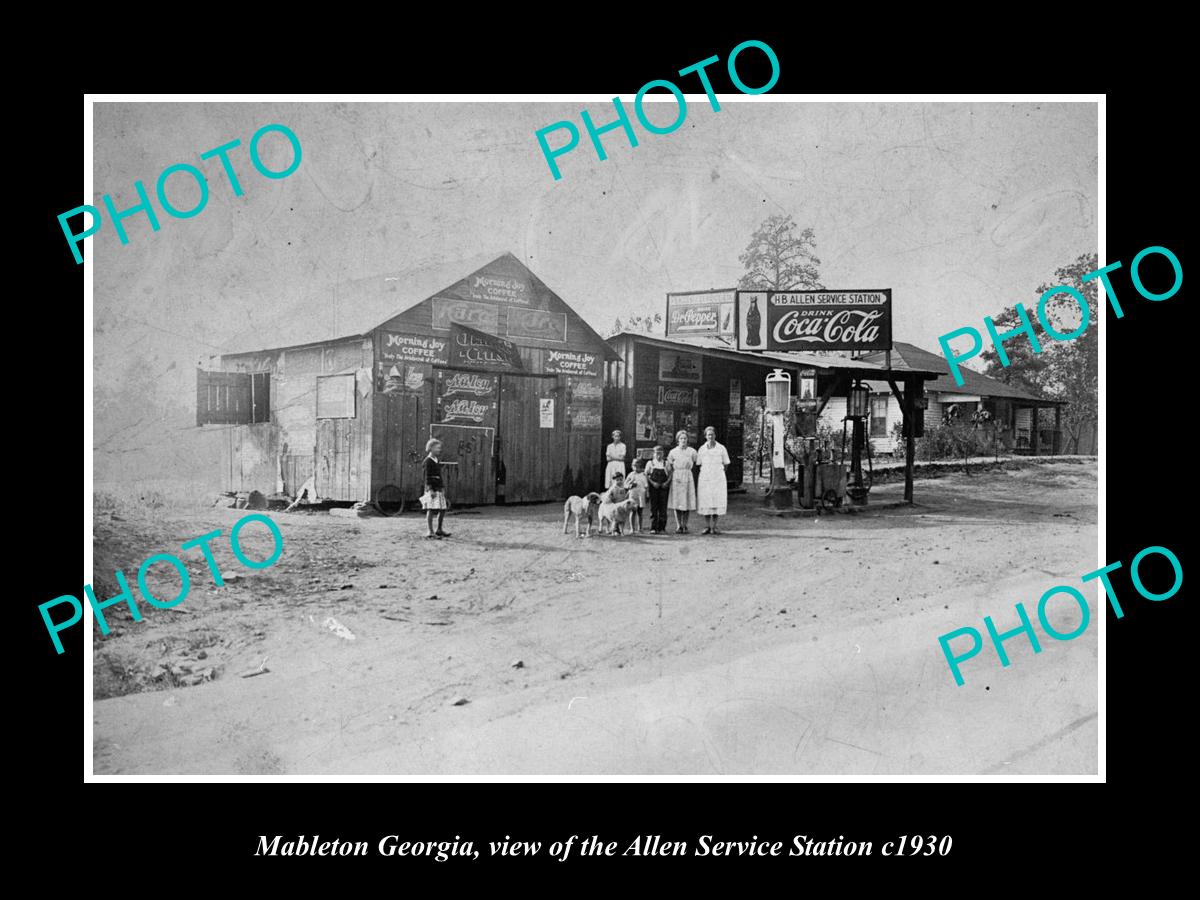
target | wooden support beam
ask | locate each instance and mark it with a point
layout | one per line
(830, 390)
(910, 441)
(1036, 436)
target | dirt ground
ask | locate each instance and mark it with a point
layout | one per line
(785, 645)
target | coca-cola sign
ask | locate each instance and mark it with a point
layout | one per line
(814, 320)
(673, 396)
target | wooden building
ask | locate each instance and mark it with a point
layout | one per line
(482, 355)
(1024, 422)
(659, 385)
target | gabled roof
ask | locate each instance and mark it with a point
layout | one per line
(909, 356)
(355, 308)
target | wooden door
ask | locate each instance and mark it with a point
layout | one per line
(334, 452)
(714, 411)
(398, 449)
(466, 462)
(534, 451)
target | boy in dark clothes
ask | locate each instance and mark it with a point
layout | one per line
(434, 498)
(660, 486)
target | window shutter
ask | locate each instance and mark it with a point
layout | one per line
(223, 398)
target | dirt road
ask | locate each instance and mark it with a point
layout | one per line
(782, 646)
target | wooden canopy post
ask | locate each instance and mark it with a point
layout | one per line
(1036, 436)
(910, 441)
(1057, 445)
(908, 401)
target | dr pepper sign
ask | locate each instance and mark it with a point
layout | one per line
(814, 320)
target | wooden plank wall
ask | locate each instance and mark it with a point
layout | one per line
(534, 457)
(541, 464)
(271, 456)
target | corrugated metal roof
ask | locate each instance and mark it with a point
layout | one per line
(909, 356)
(354, 308)
(722, 346)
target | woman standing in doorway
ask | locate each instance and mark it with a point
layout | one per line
(712, 495)
(615, 454)
(682, 498)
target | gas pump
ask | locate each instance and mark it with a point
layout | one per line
(779, 397)
(858, 408)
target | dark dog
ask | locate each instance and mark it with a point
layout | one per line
(579, 507)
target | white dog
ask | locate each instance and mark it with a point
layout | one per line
(616, 515)
(581, 508)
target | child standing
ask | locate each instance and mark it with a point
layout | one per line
(434, 498)
(659, 478)
(638, 487)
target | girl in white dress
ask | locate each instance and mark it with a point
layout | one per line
(712, 495)
(615, 454)
(682, 498)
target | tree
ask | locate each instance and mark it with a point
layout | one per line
(1064, 370)
(643, 324)
(779, 259)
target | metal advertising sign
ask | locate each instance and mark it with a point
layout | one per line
(498, 288)
(676, 366)
(675, 396)
(583, 418)
(472, 349)
(448, 312)
(571, 362)
(466, 398)
(814, 320)
(539, 324)
(413, 348)
(584, 390)
(700, 312)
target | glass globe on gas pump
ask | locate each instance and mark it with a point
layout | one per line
(858, 409)
(778, 401)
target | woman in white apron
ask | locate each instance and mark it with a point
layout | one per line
(615, 454)
(712, 496)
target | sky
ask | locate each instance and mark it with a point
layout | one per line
(962, 209)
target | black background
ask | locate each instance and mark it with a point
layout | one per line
(998, 828)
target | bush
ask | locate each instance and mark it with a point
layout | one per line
(938, 443)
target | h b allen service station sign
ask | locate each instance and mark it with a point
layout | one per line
(814, 320)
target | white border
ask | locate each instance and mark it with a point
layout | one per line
(88, 270)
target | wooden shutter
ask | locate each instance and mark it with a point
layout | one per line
(260, 397)
(223, 398)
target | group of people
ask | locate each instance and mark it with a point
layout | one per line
(666, 480)
(669, 483)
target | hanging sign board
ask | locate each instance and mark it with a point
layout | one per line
(814, 320)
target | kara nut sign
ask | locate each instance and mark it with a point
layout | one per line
(815, 320)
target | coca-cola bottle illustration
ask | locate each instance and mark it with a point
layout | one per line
(753, 324)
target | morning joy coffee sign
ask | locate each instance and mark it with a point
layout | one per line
(814, 320)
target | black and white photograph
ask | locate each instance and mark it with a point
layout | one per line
(410, 458)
